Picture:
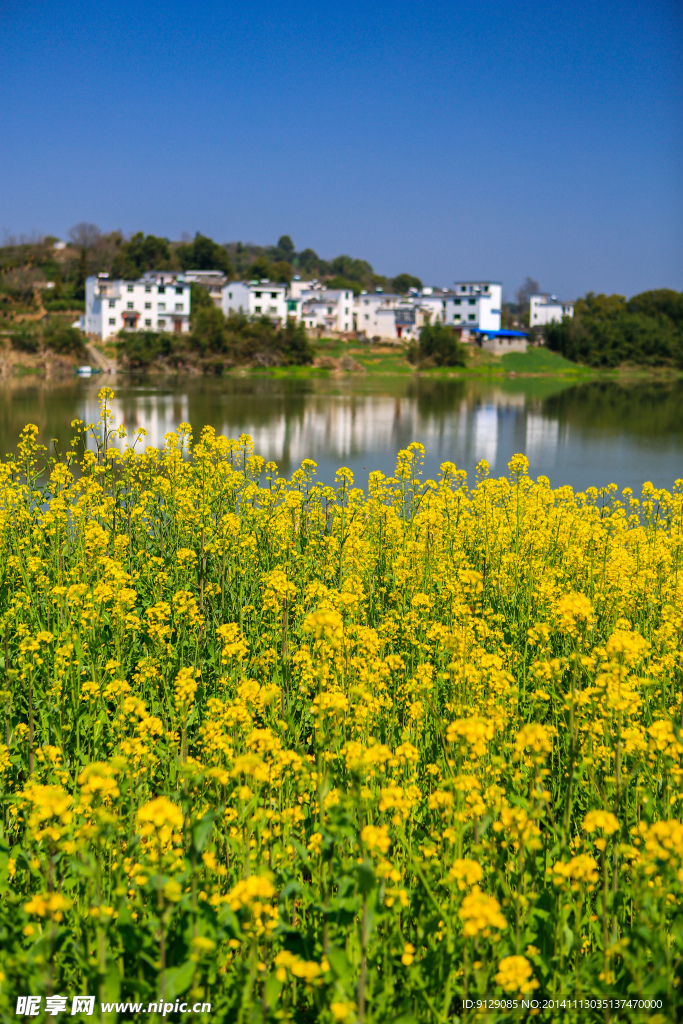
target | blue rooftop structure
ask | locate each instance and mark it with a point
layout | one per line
(500, 334)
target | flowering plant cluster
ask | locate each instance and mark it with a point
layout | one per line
(310, 753)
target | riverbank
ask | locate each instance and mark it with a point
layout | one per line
(332, 358)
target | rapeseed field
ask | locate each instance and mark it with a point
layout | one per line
(310, 753)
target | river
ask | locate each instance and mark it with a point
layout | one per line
(582, 434)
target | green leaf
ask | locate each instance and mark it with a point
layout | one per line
(178, 979)
(338, 962)
(273, 988)
(202, 830)
(366, 876)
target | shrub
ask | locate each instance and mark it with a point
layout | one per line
(438, 346)
(25, 340)
(64, 340)
(141, 348)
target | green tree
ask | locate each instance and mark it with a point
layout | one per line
(199, 299)
(139, 254)
(203, 254)
(439, 346)
(309, 261)
(209, 330)
(260, 270)
(78, 287)
(404, 282)
(606, 330)
(282, 271)
(85, 236)
(343, 284)
(285, 249)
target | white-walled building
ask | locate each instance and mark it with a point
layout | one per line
(439, 304)
(213, 280)
(547, 309)
(298, 287)
(477, 304)
(158, 301)
(366, 307)
(256, 299)
(328, 309)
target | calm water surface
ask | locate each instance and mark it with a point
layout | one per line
(579, 434)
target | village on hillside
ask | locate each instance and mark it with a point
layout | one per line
(161, 301)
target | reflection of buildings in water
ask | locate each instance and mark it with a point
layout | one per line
(338, 428)
(341, 427)
(158, 414)
(542, 435)
(485, 433)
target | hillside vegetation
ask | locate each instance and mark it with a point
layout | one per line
(37, 278)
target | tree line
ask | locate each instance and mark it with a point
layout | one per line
(610, 330)
(31, 271)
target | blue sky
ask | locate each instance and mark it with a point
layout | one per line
(450, 140)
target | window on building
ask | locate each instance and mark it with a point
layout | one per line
(178, 307)
(257, 309)
(148, 288)
(463, 288)
(346, 312)
(148, 305)
(472, 316)
(273, 295)
(129, 305)
(112, 321)
(130, 287)
(161, 289)
(367, 316)
(112, 303)
(179, 290)
(161, 324)
(148, 323)
(257, 295)
(473, 302)
(486, 287)
(229, 295)
(272, 309)
(162, 307)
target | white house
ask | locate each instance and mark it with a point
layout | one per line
(327, 309)
(439, 304)
(365, 313)
(476, 304)
(256, 299)
(213, 280)
(158, 301)
(547, 309)
(298, 287)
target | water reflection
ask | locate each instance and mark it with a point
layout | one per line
(578, 434)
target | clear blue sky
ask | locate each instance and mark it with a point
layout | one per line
(450, 140)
